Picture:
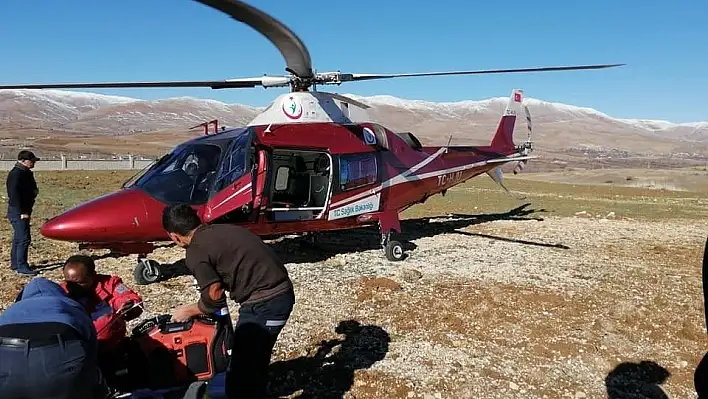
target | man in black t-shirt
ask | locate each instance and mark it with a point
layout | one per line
(225, 257)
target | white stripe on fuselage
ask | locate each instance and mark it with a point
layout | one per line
(398, 179)
(405, 176)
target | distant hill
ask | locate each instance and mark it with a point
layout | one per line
(54, 121)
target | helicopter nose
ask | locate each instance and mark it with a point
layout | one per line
(111, 217)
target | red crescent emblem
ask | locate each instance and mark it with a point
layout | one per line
(296, 116)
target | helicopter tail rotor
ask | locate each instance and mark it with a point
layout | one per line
(527, 146)
(505, 137)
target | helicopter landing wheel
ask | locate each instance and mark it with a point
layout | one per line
(394, 251)
(147, 271)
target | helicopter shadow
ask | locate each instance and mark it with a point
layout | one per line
(46, 266)
(329, 244)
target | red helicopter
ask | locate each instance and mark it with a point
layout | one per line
(310, 162)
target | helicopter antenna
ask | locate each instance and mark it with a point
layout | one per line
(447, 147)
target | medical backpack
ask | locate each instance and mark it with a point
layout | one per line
(163, 354)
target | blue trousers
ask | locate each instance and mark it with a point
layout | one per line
(64, 370)
(20, 241)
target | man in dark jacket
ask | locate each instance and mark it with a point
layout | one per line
(225, 257)
(48, 346)
(21, 194)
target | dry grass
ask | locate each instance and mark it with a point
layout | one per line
(567, 196)
(694, 179)
(538, 303)
(152, 144)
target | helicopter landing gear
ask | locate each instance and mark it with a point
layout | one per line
(147, 271)
(309, 241)
(393, 249)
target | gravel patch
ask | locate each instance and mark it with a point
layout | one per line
(533, 309)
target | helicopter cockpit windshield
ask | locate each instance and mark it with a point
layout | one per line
(183, 176)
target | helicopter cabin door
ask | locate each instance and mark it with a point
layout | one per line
(232, 193)
(300, 185)
(260, 176)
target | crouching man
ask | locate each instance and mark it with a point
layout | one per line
(48, 347)
(229, 258)
(110, 303)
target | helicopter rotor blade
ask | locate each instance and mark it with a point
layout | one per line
(346, 99)
(265, 81)
(352, 77)
(296, 55)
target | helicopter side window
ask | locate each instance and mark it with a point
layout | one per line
(357, 170)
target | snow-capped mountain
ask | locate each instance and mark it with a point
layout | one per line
(549, 111)
(556, 126)
(172, 113)
(51, 107)
(100, 114)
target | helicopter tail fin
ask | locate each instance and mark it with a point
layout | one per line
(504, 137)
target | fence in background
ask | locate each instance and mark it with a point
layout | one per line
(83, 164)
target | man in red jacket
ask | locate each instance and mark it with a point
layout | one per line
(109, 302)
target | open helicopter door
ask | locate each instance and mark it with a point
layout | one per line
(300, 185)
(260, 176)
(231, 196)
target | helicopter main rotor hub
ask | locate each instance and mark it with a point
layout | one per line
(328, 78)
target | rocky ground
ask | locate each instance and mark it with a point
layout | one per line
(532, 306)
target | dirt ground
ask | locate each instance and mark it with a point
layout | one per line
(572, 292)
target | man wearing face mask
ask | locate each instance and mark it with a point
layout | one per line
(109, 302)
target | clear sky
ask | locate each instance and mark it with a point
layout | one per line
(663, 43)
